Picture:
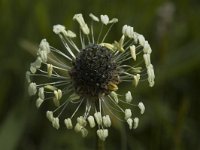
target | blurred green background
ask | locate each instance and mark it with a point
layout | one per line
(171, 121)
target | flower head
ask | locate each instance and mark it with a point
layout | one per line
(88, 74)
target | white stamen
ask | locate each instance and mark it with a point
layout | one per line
(114, 20)
(104, 19)
(128, 114)
(41, 93)
(141, 39)
(68, 123)
(33, 69)
(119, 45)
(50, 87)
(44, 46)
(136, 79)
(114, 96)
(78, 127)
(36, 65)
(82, 121)
(49, 69)
(83, 25)
(84, 132)
(56, 94)
(69, 34)
(108, 45)
(136, 122)
(57, 29)
(147, 48)
(147, 59)
(128, 97)
(49, 115)
(106, 121)
(151, 75)
(43, 55)
(32, 89)
(39, 102)
(128, 31)
(57, 97)
(59, 94)
(95, 18)
(102, 134)
(133, 54)
(130, 123)
(55, 123)
(141, 107)
(98, 118)
(91, 121)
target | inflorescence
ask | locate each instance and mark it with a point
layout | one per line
(88, 75)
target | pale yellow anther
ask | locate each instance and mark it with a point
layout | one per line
(49, 69)
(109, 46)
(133, 54)
(68, 123)
(50, 87)
(95, 18)
(136, 79)
(83, 25)
(119, 45)
(59, 94)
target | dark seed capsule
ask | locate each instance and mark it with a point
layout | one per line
(94, 70)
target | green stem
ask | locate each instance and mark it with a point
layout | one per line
(101, 145)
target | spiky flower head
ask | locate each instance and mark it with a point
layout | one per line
(87, 73)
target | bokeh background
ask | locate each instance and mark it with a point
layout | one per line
(171, 121)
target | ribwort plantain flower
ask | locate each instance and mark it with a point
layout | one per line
(87, 73)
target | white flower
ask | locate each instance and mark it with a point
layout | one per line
(87, 75)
